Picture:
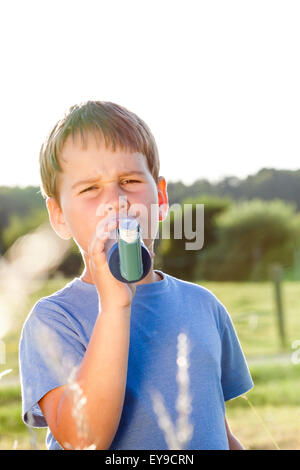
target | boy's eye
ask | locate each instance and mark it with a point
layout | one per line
(88, 189)
(91, 188)
(130, 181)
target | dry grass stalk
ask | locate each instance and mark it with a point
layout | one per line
(177, 436)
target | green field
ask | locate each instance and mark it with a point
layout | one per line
(253, 310)
(269, 419)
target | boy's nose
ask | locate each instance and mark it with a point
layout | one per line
(117, 207)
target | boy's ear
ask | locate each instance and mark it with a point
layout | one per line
(57, 220)
(162, 198)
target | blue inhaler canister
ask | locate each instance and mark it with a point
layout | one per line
(129, 259)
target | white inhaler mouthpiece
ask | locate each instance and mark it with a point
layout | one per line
(128, 229)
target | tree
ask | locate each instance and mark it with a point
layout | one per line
(252, 235)
(20, 225)
(173, 255)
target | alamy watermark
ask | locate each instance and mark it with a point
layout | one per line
(184, 218)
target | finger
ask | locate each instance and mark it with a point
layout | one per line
(97, 243)
(97, 255)
(97, 246)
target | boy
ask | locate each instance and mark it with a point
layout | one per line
(92, 353)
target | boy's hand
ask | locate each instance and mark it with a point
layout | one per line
(113, 294)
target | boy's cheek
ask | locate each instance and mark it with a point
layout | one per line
(83, 228)
(149, 226)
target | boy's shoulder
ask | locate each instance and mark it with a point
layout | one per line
(195, 293)
(55, 306)
(196, 289)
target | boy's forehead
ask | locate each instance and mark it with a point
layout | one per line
(90, 156)
(89, 144)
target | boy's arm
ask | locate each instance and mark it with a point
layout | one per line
(234, 443)
(102, 380)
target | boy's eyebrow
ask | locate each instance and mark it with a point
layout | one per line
(95, 178)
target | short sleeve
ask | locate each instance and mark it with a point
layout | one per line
(236, 378)
(49, 354)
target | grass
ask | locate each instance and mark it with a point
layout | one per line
(275, 397)
(269, 417)
(253, 310)
(276, 414)
(13, 432)
(279, 431)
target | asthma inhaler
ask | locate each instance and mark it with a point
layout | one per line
(129, 259)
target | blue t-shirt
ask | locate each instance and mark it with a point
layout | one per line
(56, 334)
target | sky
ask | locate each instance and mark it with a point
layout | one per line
(217, 81)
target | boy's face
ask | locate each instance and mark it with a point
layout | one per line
(121, 181)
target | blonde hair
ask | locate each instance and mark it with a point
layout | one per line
(120, 129)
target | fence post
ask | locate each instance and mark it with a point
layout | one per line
(297, 264)
(277, 278)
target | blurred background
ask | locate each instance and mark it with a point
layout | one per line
(217, 82)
